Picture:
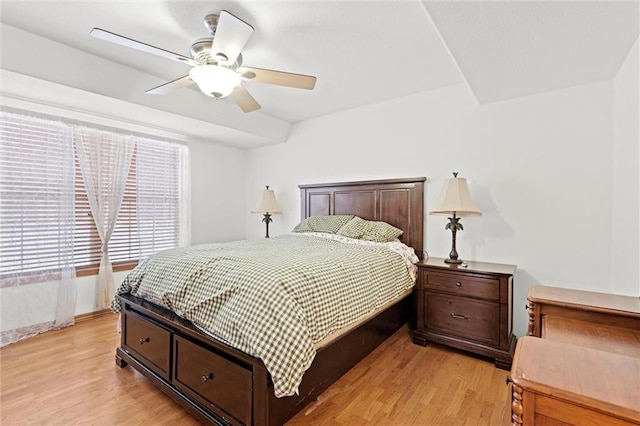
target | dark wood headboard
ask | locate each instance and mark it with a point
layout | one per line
(399, 202)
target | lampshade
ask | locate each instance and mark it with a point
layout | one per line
(455, 198)
(268, 203)
(215, 81)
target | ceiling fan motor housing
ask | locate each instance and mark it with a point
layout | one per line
(201, 52)
(211, 23)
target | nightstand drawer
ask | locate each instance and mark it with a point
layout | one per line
(471, 319)
(462, 285)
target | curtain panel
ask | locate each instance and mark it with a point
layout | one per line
(56, 179)
(37, 222)
(105, 159)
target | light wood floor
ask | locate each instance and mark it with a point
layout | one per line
(69, 377)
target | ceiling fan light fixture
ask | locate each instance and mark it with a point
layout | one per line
(215, 81)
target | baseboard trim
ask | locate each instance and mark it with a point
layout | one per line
(91, 315)
(12, 336)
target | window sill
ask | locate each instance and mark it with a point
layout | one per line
(93, 270)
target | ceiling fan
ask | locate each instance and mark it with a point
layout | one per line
(217, 62)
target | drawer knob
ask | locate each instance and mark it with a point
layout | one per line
(459, 317)
(207, 377)
(458, 284)
(143, 341)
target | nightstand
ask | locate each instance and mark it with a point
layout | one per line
(468, 308)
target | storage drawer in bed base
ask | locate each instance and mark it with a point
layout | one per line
(147, 339)
(173, 355)
(255, 398)
(221, 385)
(124, 358)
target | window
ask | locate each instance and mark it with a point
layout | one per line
(36, 195)
(43, 201)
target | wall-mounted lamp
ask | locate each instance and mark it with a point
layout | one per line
(455, 199)
(268, 206)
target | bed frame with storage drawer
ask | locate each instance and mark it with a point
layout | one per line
(222, 385)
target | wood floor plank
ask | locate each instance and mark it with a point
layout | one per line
(69, 377)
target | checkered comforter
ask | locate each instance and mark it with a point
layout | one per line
(272, 298)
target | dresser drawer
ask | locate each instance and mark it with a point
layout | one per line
(148, 340)
(462, 285)
(475, 320)
(210, 377)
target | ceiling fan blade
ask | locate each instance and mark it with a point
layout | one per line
(231, 35)
(243, 99)
(138, 45)
(163, 89)
(280, 78)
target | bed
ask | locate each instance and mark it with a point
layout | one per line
(220, 384)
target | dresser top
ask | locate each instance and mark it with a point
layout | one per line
(582, 375)
(471, 266)
(595, 301)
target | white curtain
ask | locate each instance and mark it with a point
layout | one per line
(67, 290)
(105, 160)
(37, 221)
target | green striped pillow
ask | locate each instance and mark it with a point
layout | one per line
(381, 232)
(355, 228)
(329, 224)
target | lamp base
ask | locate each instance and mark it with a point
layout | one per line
(454, 226)
(266, 220)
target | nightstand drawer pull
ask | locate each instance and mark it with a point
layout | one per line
(459, 317)
(207, 377)
(143, 341)
(458, 284)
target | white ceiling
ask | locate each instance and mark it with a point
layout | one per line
(512, 48)
(362, 52)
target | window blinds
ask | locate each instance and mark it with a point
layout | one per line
(44, 205)
(159, 195)
(36, 194)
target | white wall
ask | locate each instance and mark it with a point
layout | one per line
(217, 192)
(539, 168)
(34, 304)
(625, 217)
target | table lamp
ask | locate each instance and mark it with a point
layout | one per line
(268, 206)
(455, 200)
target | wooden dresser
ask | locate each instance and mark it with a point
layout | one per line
(555, 383)
(580, 364)
(602, 321)
(468, 308)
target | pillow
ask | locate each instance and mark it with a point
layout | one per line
(329, 224)
(355, 228)
(381, 232)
